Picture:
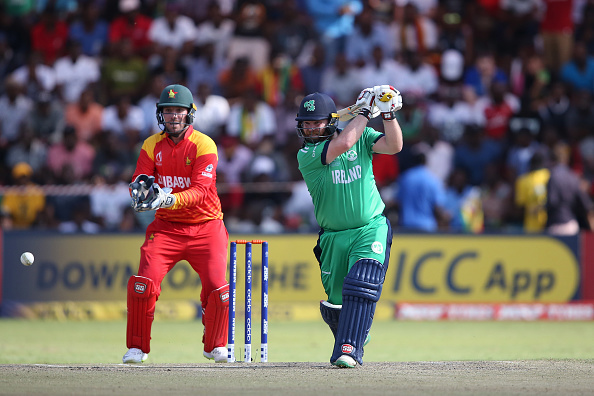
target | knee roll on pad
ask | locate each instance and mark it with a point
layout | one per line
(142, 296)
(361, 290)
(331, 315)
(216, 319)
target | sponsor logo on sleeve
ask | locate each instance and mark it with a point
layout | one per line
(139, 287)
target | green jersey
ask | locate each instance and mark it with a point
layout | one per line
(344, 192)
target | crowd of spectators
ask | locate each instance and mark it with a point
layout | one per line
(496, 94)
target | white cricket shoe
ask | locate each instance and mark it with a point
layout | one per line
(219, 354)
(345, 361)
(134, 355)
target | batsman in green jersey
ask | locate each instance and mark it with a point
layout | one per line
(354, 243)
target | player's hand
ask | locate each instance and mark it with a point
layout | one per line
(140, 188)
(365, 103)
(161, 198)
(388, 100)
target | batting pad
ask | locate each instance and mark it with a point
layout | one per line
(142, 296)
(330, 314)
(360, 292)
(216, 319)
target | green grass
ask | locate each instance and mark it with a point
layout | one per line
(56, 342)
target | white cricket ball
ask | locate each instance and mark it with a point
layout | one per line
(27, 258)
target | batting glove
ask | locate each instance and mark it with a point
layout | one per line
(365, 103)
(388, 100)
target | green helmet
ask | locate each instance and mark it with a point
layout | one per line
(176, 95)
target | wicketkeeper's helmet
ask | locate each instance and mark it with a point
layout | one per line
(315, 107)
(176, 95)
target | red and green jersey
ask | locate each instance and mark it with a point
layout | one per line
(189, 169)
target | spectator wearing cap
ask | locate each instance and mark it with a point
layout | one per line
(74, 72)
(132, 25)
(22, 207)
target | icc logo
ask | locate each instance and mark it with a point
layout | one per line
(159, 157)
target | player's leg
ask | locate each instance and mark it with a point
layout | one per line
(361, 290)
(158, 255)
(208, 257)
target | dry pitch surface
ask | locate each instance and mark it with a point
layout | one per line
(529, 377)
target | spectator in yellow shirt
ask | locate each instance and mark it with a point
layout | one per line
(21, 206)
(531, 194)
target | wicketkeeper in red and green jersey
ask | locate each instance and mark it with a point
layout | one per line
(176, 176)
(354, 242)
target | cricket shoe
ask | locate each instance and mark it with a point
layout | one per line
(345, 361)
(134, 355)
(219, 354)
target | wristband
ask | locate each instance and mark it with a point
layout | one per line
(389, 115)
(366, 113)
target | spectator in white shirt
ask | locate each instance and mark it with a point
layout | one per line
(417, 76)
(250, 119)
(15, 107)
(173, 30)
(34, 76)
(125, 120)
(381, 70)
(216, 29)
(212, 111)
(148, 105)
(74, 72)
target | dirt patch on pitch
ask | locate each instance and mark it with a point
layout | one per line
(541, 377)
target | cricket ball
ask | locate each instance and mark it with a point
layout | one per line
(27, 258)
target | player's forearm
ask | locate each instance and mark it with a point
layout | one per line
(347, 138)
(393, 134)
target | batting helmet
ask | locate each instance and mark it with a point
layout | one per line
(176, 95)
(315, 107)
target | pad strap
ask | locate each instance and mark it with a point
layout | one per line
(331, 315)
(216, 319)
(360, 292)
(142, 296)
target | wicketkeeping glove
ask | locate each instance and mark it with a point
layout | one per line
(388, 100)
(141, 188)
(147, 195)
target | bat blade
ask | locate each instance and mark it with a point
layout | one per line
(349, 113)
